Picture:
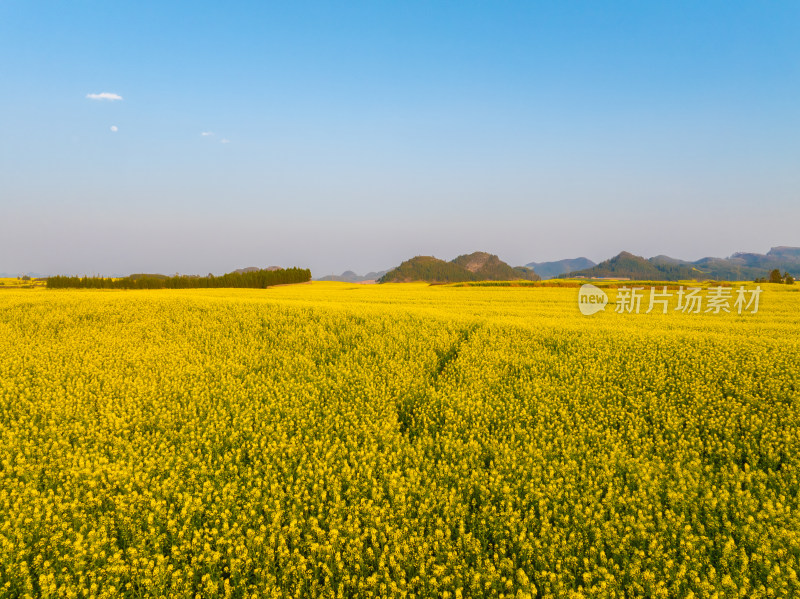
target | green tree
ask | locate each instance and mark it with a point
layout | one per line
(775, 276)
(788, 279)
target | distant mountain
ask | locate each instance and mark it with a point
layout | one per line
(738, 267)
(662, 259)
(488, 267)
(478, 266)
(784, 252)
(32, 275)
(548, 270)
(627, 265)
(427, 268)
(349, 276)
(241, 271)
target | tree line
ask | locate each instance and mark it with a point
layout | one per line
(257, 280)
(775, 276)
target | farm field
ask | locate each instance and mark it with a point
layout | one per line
(6, 282)
(399, 440)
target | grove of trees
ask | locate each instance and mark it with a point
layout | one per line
(257, 279)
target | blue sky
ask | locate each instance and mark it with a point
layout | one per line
(355, 135)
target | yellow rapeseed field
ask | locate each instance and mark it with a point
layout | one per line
(336, 440)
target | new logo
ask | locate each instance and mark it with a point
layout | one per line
(591, 300)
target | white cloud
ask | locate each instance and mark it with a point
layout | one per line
(207, 133)
(114, 128)
(225, 141)
(104, 96)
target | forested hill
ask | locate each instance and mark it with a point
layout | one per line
(627, 265)
(478, 266)
(738, 267)
(257, 279)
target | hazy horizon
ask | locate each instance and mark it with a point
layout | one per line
(318, 274)
(200, 138)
